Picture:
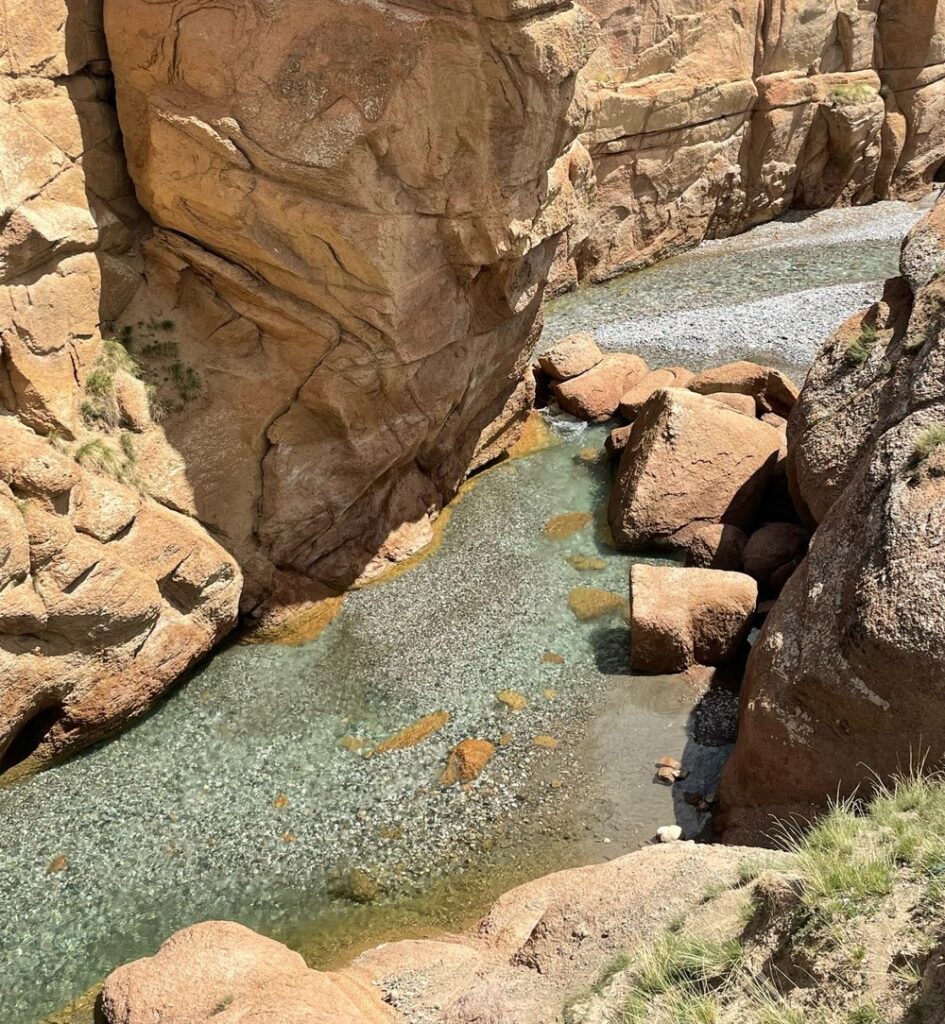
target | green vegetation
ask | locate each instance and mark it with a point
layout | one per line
(222, 1005)
(929, 442)
(852, 94)
(847, 937)
(860, 349)
(99, 456)
(101, 403)
(187, 381)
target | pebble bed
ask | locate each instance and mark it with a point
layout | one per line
(773, 294)
(237, 798)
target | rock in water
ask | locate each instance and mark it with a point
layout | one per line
(689, 461)
(466, 761)
(772, 390)
(637, 397)
(685, 617)
(596, 394)
(848, 676)
(572, 356)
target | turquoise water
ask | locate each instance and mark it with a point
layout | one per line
(235, 798)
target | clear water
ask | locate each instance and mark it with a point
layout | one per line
(236, 799)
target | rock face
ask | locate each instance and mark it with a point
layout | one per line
(705, 118)
(105, 599)
(353, 257)
(685, 617)
(538, 945)
(848, 676)
(690, 461)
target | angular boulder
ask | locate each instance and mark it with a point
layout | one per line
(685, 617)
(772, 390)
(571, 356)
(595, 395)
(669, 377)
(689, 462)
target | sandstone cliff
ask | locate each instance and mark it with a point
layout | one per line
(848, 676)
(707, 116)
(328, 296)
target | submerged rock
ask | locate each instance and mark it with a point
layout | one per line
(567, 525)
(685, 617)
(414, 733)
(689, 462)
(586, 563)
(589, 603)
(467, 761)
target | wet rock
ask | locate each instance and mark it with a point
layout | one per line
(773, 552)
(671, 377)
(567, 525)
(683, 617)
(414, 733)
(571, 356)
(467, 761)
(595, 395)
(717, 546)
(586, 563)
(356, 885)
(772, 390)
(58, 864)
(550, 658)
(689, 462)
(617, 440)
(512, 699)
(589, 603)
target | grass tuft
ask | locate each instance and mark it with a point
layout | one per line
(929, 442)
(860, 349)
(852, 94)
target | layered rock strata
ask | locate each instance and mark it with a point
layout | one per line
(707, 117)
(847, 681)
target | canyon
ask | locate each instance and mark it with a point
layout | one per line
(328, 273)
(274, 277)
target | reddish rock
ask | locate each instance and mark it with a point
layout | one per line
(466, 761)
(670, 377)
(717, 546)
(571, 356)
(690, 461)
(617, 440)
(774, 552)
(772, 390)
(684, 617)
(744, 404)
(596, 394)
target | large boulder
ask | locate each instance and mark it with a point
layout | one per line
(545, 938)
(685, 617)
(105, 597)
(690, 461)
(595, 395)
(571, 356)
(717, 546)
(637, 397)
(772, 390)
(846, 684)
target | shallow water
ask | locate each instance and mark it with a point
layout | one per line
(236, 799)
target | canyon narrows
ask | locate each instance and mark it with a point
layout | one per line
(274, 275)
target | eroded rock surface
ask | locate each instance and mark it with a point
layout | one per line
(538, 945)
(105, 599)
(848, 676)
